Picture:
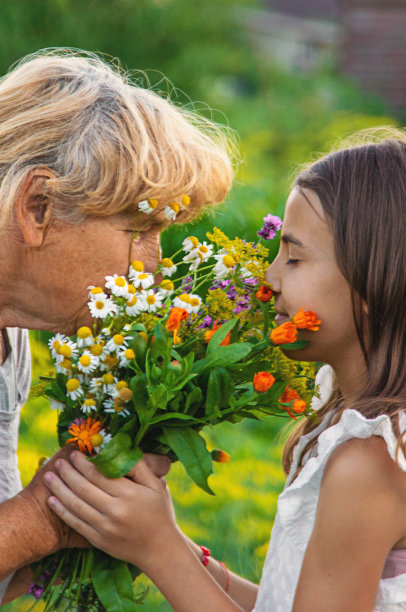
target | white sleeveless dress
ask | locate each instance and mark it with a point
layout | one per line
(297, 505)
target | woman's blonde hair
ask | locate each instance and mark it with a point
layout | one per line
(109, 142)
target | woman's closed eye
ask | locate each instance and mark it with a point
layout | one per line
(292, 262)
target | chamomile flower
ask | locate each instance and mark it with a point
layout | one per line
(85, 337)
(183, 301)
(135, 305)
(115, 406)
(55, 342)
(118, 285)
(96, 387)
(193, 258)
(97, 349)
(135, 267)
(89, 405)
(108, 382)
(67, 350)
(195, 303)
(125, 356)
(224, 266)
(64, 366)
(152, 300)
(55, 405)
(95, 292)
(100, 440)
(115, 343)
(167, 267)
(102, 307)
(73, 388)
(166, 288)
(142, 279)
(120, 384)
(147, 206)
(88, 362)
(171, 211)
(190, 243)
(131, 291)
(204, 250)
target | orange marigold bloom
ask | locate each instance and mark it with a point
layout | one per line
(220, 456)
(209, 334)
(264, 294)
(263, 381)
(289, 395)
(298, 405)
(306, 320)
(284, 334)
(176, 316)
(82, 433)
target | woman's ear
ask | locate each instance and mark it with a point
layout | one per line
(33, 209)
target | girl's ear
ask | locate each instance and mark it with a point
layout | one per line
(33, 209)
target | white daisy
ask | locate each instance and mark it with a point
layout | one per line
(102, 307)
(190, 243)
(85, 337)
(66, 350)
(55, 342)
(195, 303)
(135, 267)
(152, 300)
(125, 356)
(135, 305)
(142, 279)
(88, 405)
(166, 288)
(167, 267)
(131, 291)
(108, 382)
(55, 405)
(64, 366)
(118, 285)
(95, 292)
(106, 439)
(205, 250)
(88, 362)
(171, 211)
(113, 406)
(194, 259)
(224, 266)
(116, 342)
(147, 206)
(183, 301)
(96, 387)
(98, 350)
(73, 388)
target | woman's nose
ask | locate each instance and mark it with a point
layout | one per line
(271, 277)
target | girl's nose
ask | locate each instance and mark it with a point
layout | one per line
(272, 278)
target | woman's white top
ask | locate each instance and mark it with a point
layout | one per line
(297, 505)
(15, 378)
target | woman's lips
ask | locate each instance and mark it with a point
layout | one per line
(281, 318)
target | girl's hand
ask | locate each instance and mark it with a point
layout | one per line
(126, 518)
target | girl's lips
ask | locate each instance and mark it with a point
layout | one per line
(279, 319)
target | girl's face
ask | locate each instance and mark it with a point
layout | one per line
(305, 274)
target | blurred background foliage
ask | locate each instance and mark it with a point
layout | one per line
(201, 55)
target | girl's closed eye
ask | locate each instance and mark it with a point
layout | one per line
(292, 261)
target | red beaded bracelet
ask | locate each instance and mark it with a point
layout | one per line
(205, 560)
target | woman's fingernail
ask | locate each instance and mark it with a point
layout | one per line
(48, 477)
(58, 464)
(52, 501)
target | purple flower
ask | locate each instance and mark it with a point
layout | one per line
(187, 284)
(36, 589)
(272, 224)
(206, 322)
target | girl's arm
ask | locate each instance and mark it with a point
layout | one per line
(361, 515)
(133, 521)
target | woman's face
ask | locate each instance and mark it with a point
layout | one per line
(76, 256)
(305, 274)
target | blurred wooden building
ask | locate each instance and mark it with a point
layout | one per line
(365, 38)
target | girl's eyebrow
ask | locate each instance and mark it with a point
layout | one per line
(286, 238)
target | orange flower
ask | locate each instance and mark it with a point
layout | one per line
(176, 316)
(82, 432)
(289, 395)
(209, 334)
(263, 381)
(264, 294)
(298, 405)
(284, 334)
(220, 456)
(306, 320)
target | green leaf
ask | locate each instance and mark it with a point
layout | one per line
(193, 397)
(190, 449)
(140, 398)
(223, 356)
(175, 416)
(161, 346)
(293, 346)
(219, 336)
(219, 389)
(112, 582)
(117, 457)
(159, 397)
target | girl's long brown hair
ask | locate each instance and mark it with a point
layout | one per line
(362, 190)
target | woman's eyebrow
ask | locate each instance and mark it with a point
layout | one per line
(286, 238)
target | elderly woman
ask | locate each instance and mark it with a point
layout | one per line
(80, 146)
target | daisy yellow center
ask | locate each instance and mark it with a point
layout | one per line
(167, 285)
(175, 207)
(203, 249)
(72, 385)
(167, 263)
(96, 290)
(142, 276)
(131, 289)
(96, 350)
(120, 281)
(137, 265)
(129, 354)
(65, 350)
(153, 203)
(84, 332)
(118, 339)
(96, 440)
(85, 361)
(194, 302)
(121, 384)
(151, 299)
(108, 379)
(90, 402)
(185, 200)
(55, 345)
(66, 363)
(185, 297)
(99, 305)
(194, 241)
(228, 261)
(133, 301)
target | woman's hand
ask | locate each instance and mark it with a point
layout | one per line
(126, 517)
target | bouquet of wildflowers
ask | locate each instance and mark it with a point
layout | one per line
(164, 359)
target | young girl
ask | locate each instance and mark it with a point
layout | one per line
(339, 539)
